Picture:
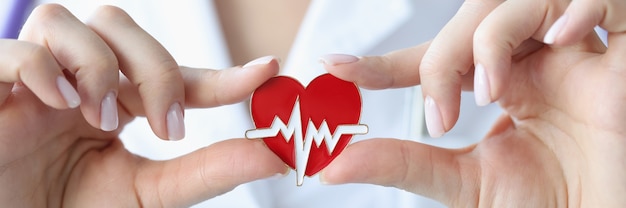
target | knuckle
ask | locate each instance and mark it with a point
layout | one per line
(489, 43)
(38, 53)
(429, 65)
(98, 72)
(405, 174)
(35, 53)
(172, 73)
(47, 13)
(108, 13)
(106, 60)
(483, 37)
(385, 77)
(168, 76)
(39, 58)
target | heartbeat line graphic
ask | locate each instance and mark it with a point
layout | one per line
(303, 146)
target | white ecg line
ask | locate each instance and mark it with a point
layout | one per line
(303, 147)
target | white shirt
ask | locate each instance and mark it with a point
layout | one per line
(190, 30)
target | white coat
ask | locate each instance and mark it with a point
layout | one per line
(191, 31)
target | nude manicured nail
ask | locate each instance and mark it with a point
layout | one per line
(278, 176)
(337, 59)
(108, 112)
(69, 93)
(554, 30)
(259, 61)
(323, 180)
(175, 122)
(434, 123)
(482, 90)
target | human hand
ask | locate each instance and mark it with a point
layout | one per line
(53, 154)
(561, 142)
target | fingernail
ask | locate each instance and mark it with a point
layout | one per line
(108, 112)
(175, 122)
(278, 176)
(323, 180)
(69, 93)
(554, 31)
(259, 61)
(434, 123)
(482, 91)
(337, 59)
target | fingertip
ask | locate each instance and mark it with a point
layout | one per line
(578, 20)
(30, 65)
(253, 73)
(211, 88)
(175, 122)
(260, 61)
(98, 85)
(555, 30)
(441, 112)
(68, 92)
(357, 164)
(342, 170)
(262, 68)
(392, 70)
(276, 166)
(164, 105)
(491, 74)
(254, 161)
(490, 82)
(482, 90)
(434, 121)
(108, 112)
(403, 164)
(326, 177)
(493, 52)
(338, 59)
(342, 66)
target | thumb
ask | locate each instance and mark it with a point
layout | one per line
(206, 173)
(430, 171)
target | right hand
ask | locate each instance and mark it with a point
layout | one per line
(561, 141)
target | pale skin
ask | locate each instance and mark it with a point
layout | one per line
(257, 28)
(561, 142)
(61, 157)
(550, 149)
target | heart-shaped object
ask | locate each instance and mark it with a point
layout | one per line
(306, 128)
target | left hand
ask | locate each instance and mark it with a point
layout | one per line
(55, 153)
(561, 141)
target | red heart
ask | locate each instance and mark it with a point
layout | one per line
(327, 98)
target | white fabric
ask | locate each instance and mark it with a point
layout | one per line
(5, 12)
(190, 30)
